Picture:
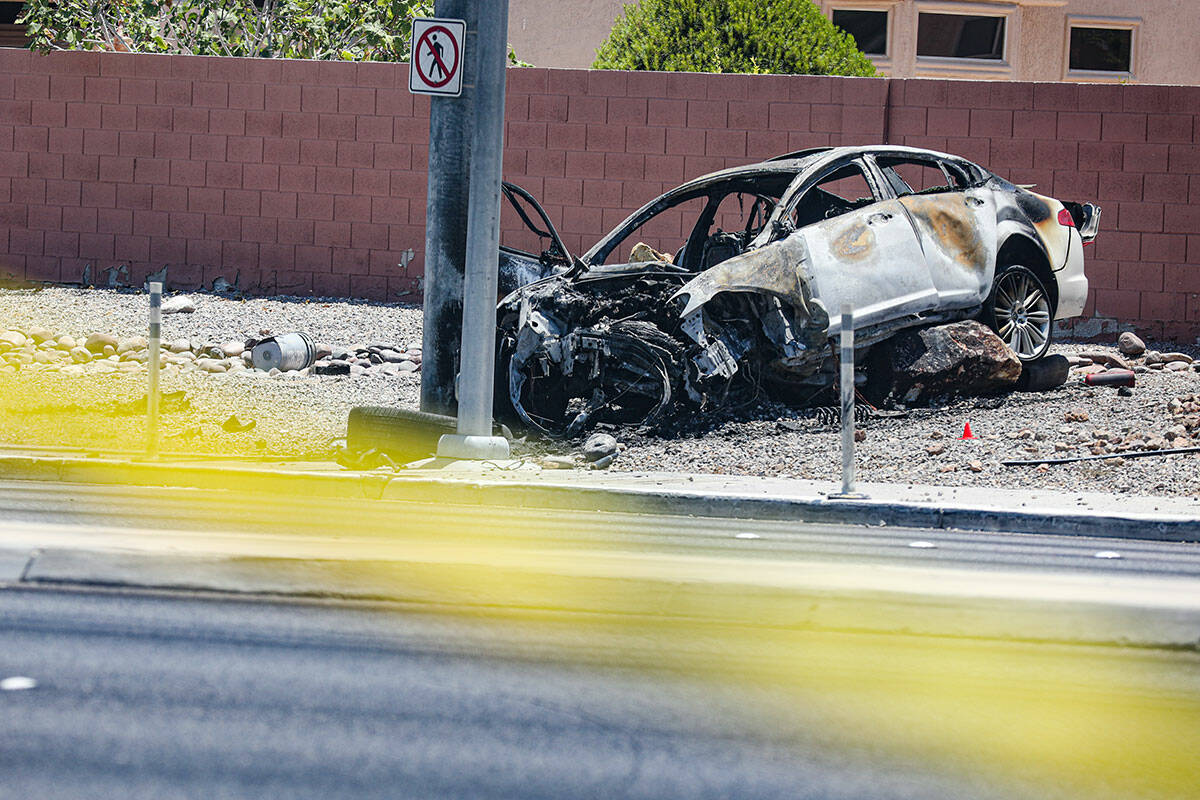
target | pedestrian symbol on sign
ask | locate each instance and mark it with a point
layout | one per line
(436, 51)
(436, 56)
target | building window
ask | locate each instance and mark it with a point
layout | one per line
(1101, 49)
(960, 36)
(9, 13)
(11, 34)
(869, 29)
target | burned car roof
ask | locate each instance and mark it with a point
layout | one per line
(730, 287)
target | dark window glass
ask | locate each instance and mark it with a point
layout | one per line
(960, 36)
(1101, 49)
(9, 12)
(869, 29)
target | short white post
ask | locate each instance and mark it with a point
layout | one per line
(847, 391)
(152, 368)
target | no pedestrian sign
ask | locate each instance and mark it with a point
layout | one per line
(437, 56)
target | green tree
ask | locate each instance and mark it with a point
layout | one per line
(352, 30)
(745, 36)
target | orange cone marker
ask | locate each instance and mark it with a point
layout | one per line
(967, 432)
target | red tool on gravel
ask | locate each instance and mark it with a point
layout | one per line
(1111, 377)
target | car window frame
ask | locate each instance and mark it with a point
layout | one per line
(952, 184)
(515, 195)
(812, 178)
(600, 252)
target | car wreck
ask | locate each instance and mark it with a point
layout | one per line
(765, 255)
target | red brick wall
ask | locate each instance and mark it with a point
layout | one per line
(303, 177)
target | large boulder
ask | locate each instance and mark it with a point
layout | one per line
(965, 358)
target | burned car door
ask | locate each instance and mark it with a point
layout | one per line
(955, 222)
(531, 248)
(862, 249)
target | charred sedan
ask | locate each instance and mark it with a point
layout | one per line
(763, 258)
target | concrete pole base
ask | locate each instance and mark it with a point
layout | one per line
(477, 448)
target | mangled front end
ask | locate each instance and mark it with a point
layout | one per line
(630, 344)
(759, 299)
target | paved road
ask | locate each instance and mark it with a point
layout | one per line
(178, 695)
(212, 514)
(159, 697)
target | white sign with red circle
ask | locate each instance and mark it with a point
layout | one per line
(437, 56)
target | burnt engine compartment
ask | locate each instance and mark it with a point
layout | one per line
(608, 346)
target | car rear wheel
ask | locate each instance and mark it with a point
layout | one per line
(1020, 311)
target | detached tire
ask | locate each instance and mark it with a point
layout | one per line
(1020, 311)
(1044, 374)
(400, 433)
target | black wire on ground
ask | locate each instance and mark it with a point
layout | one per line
(1073, 459)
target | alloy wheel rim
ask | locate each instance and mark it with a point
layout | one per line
(1022, 314)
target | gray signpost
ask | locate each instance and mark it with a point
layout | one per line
(473, 388)
(450, 125)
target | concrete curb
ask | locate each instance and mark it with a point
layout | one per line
(548, 491)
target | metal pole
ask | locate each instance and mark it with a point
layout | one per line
(477, 367)
(847, 389)
(451, 121)
(152, 368)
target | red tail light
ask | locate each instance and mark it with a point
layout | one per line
(1065, 219)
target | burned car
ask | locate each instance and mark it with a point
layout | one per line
(731, 284)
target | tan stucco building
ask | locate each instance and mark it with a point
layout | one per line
(1131, 41)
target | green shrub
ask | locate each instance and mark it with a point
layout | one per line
(745, 36)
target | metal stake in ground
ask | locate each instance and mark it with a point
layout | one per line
(474, 439)
(152, 369)
(847, 387)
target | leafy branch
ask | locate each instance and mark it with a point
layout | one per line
(351, 30)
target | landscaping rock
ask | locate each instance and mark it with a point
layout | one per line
(1129, 344)
(132, 344)
(332, 368)
(961, 358)
(1102, 357)
(392, 356)
(97, 343)
(210, 365)
(598, 446)
(181, 304)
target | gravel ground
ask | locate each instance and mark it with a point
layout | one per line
(304, 415)
(293, 415)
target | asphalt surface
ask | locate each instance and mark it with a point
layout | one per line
(216, 513)
(187, 695)
(160, 697)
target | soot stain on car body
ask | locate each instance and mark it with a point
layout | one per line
(855, 242)
(950, 227)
